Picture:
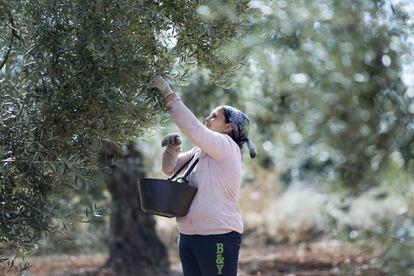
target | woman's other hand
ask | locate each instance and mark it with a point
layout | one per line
(172, 142)
(173, 139)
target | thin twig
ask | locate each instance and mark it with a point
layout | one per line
(13, 34)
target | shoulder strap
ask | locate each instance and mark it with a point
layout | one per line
(187, 173)
(182, 167)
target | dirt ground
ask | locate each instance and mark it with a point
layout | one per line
(314, 258)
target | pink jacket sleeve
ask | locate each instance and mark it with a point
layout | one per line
(212, 143)
(171, 162)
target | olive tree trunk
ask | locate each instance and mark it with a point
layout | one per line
(134, 248)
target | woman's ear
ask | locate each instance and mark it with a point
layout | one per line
(228, 128)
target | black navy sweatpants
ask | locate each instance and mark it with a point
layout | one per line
(210, 255)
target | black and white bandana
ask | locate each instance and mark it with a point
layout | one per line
(240, 124)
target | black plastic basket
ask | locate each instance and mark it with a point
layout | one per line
(167, 197)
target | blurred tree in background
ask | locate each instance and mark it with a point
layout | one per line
(75, 74)
(323, 85)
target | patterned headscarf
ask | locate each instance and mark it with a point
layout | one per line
(240, 125)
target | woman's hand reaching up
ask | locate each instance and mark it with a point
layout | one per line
(162, 85)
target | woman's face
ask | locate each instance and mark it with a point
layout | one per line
(217, 122)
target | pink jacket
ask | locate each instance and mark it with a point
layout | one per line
(214, 209)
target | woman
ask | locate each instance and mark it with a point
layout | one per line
(211, 232)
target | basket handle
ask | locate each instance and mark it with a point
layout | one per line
(182, 167)
(187, 173)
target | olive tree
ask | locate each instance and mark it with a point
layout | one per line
(75, 75)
